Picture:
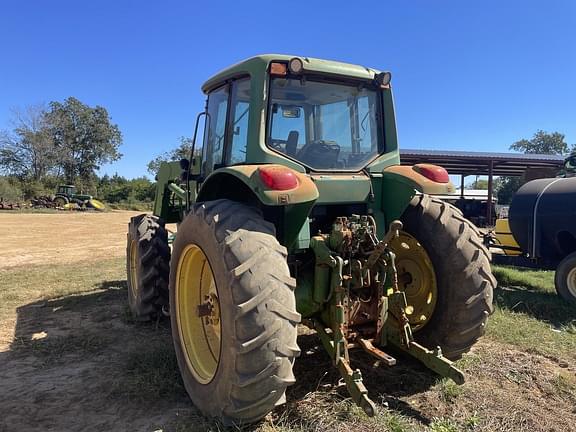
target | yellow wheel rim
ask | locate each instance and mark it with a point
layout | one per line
(416, 278)
(134, 268)
(198, 314)
(98, 205)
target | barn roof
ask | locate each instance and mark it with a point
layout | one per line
(478, 163)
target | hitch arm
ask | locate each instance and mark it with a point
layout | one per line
(352, 378)
(400, 335)
(433, 360)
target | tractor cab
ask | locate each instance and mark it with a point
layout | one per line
(307, 114)
(320, 134)
(68, 193)
(67, 190)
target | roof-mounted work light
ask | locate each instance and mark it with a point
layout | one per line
(383, 79)
(295, 65)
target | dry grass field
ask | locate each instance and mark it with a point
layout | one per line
(71, 358)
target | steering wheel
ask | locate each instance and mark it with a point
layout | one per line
(319, 146)
(278, 144)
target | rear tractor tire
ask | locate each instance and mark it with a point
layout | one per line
(444, 269)
(147, 267)
(565, 278)
(233, 312)
(61, 201)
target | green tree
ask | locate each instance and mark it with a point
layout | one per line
(118, 189)
(507, 187)
(10, 190)
(181, 152)
(543, 143)
(84, 137)
(27, 151)
(478, 184)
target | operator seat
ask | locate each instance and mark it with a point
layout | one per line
(292, 143)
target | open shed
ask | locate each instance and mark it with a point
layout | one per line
(465, 163)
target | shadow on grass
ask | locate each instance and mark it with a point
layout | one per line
(54, 328)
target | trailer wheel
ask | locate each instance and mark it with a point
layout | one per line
(233, 312)
(565, 278)
(147, 266)
(447, 276)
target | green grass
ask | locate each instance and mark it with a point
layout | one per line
(444, 425)
(44, 282)
(542, 280)
(528, 333)
(449, 390)
(530, 315)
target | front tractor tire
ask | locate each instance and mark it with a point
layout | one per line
(451, 281)
(233, 312)
(147, 267)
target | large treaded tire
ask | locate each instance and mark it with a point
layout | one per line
(148, 290)
(257, 310)
(564, 279)
(60, 201)
(464, 277)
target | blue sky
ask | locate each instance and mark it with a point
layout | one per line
(466, 75)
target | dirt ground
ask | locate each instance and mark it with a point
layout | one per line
(71, 358)
(35, 238)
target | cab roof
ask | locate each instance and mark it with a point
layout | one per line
(261, 62)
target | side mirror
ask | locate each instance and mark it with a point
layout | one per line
(196, 165)
(290, 111)
(195, 168)
(184, 164)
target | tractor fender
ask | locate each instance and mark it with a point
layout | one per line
(402, 182)
(287, 209)
(234, 182)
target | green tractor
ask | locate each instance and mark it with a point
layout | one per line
(66, 194)
(297, 211)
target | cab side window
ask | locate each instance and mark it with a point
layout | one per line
(215, 131)
(240, 108)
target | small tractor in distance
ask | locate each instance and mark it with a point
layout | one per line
(298, 211)
(66, 194)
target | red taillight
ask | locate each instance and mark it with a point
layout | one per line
(278, 178)
(433, 172)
